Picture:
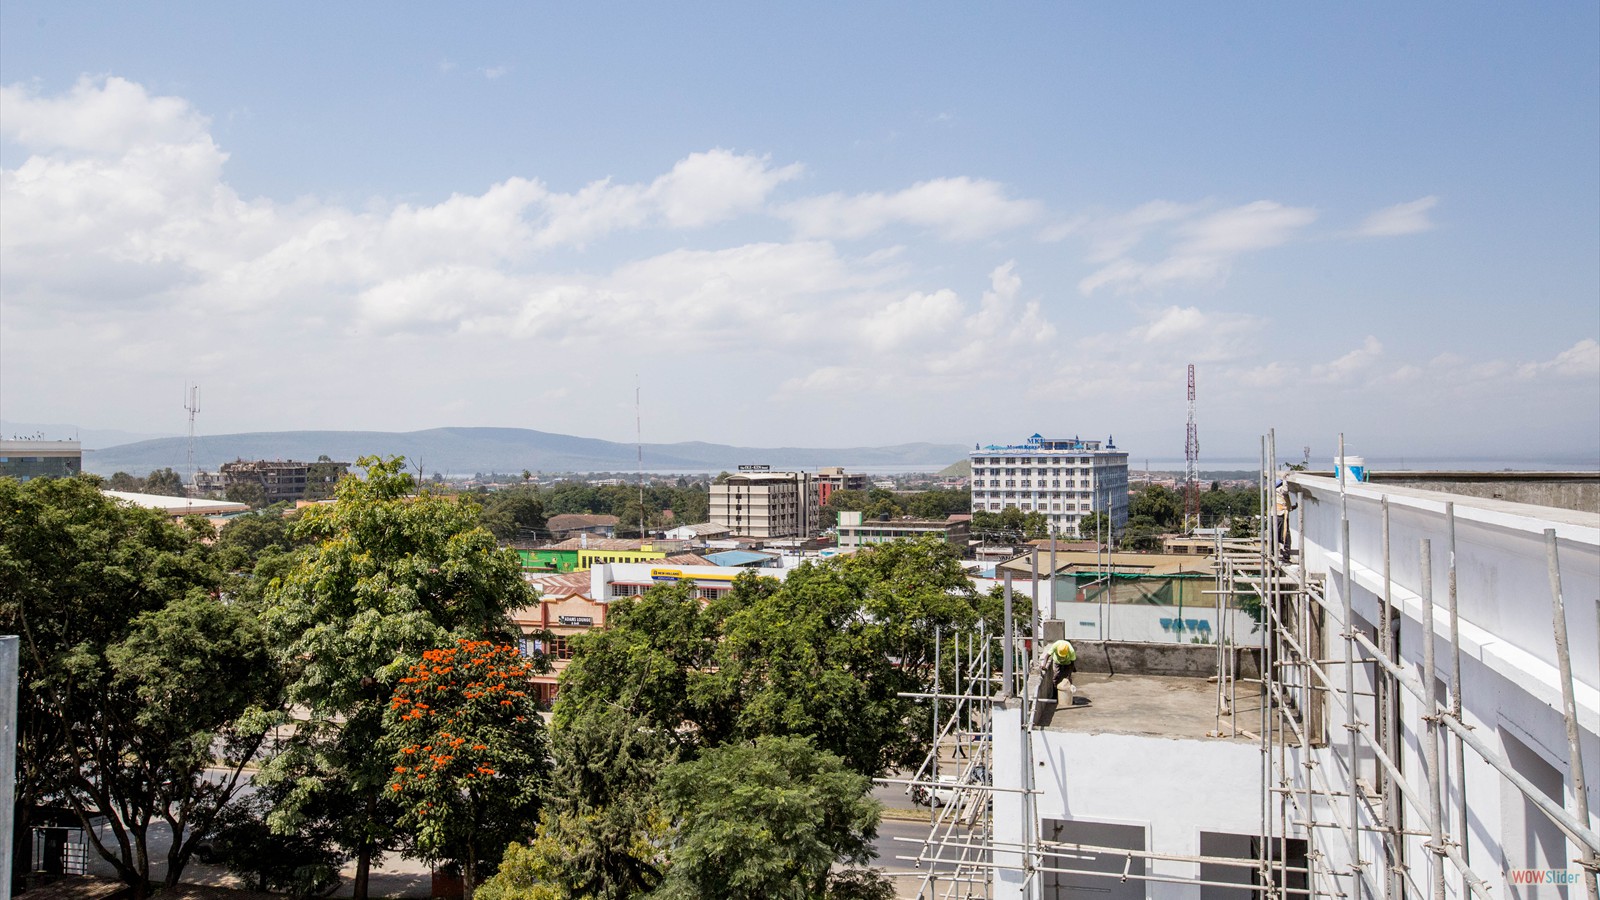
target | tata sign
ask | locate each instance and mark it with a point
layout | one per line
(755, 468)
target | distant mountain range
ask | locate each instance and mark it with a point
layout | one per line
(463, 451)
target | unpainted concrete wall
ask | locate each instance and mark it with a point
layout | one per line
(1563, 490)
(1138, 658)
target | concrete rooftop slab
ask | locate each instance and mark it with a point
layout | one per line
(1155, 705)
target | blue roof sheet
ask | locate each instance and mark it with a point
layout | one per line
(738, 558)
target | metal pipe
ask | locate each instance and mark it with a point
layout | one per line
(1349, 664)
(1564, 820)
(1034, 619)
(1431, 747)
(937, 660)
(1463, 833)
(1569, 706)
(1263, 857)
(1393, 810)
(1008, 640)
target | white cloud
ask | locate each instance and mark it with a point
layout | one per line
(123, 239)
(1352, 365)
(716, 185)
(1581, 360)
(1402, 218)
(916, 316)
(494, 72)
(106, 116)
(956, 209)
(1201, 251)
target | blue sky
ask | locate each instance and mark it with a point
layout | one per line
(812, 224)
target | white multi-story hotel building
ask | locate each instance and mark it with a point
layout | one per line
(1063, 479)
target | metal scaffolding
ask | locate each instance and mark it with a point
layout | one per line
(1339, 818)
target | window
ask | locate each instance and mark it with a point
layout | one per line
(1027, 483)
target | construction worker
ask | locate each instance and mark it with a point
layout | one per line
(1061, 663)
(1283, 504)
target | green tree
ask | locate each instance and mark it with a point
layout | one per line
(764, 821)
(1160, 504)
(654, 662)
(165, 482)
(825, 653)
(524, 874)
(515, 514)
(389, 576)
(842, 501)
(468, 753)
(602, 834)
(1095, 526)
(122, 481)
(938, 503)
(302, 864)
(134, 679)
(323, 476)
(249, 493)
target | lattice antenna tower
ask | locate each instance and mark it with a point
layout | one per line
(1191, 463)
(638, 439)
(191, 403)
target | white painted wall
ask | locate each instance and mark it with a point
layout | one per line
(1176, 789)
(1510, 687)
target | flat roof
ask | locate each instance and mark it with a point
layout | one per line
(180, 506)
(1168, 706)
(1073, 562)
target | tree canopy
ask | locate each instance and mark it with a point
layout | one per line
(766, 820)
(389, 576)
(824, 653)
(135, 678)
(468, 753)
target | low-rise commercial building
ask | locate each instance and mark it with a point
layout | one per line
(26, 460)
(577, 602)
(854, 532)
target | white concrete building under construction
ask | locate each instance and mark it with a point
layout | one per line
(1063, 478)
(1420, 719)
(758, 503)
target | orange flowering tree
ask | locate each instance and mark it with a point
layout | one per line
(469, 755)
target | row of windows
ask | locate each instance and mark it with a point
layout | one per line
(1028, 483)
(1034, 460)
(1053, 470)
(701, 592)
(1069, 490)
(995, 506)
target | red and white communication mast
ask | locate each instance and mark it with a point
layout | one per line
(1191, 462)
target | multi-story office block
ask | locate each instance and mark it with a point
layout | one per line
(762, 504)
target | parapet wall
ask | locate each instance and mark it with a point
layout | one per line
(1138, 658)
